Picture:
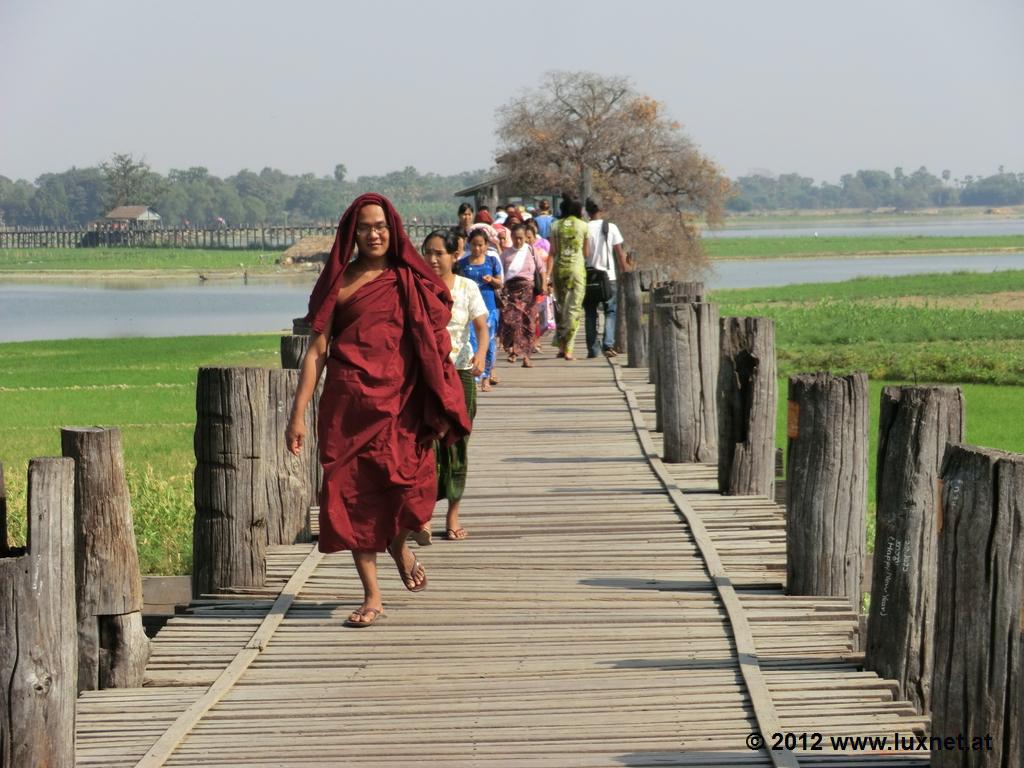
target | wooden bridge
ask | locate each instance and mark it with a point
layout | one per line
(607, 610)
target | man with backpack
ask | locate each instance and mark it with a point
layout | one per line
(604, 259)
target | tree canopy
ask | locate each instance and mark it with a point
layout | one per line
(580, 129)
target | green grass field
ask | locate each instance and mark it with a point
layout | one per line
(46, 260)
(869, 245)
(144, 386)
(31, 260)
(857, 325)
(147, 386)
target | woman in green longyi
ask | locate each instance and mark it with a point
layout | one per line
(568, 266)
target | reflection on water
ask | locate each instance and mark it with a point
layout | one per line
(187, 307)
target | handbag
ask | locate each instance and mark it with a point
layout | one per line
(599, 287)
(538, 278)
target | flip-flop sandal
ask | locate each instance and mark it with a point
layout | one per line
(452, 534)
(407, 576)
(421, 537)
(377, 613)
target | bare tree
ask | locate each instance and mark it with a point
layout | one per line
(580, 129)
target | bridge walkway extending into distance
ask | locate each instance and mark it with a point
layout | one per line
(607, 610)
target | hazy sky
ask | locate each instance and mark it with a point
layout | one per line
(815, 86)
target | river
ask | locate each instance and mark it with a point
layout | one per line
(93, 309)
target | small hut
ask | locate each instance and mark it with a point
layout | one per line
(496, 191)
(310, 249)
(133, 215)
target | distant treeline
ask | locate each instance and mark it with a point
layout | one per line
(876, 189)
(271, 197)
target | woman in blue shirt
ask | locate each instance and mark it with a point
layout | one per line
(484, 269)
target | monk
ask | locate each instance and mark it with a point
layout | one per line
(379, 319)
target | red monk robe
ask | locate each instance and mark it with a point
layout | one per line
(389, 389)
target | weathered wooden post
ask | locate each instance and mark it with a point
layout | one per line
(288, 477)
(228, 536)
(621, 340)
(667, 293)
(37, 626)
(914, 427)
(112, 645)
(826, 481)
(687, 377)
(636, 356)
(747, 401)
(978, 685)
(293, 348)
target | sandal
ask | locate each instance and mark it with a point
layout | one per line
(494, 381)
(527, 363)
(422, 537)
(407, 576)
(456, 534)
(512, 357)
(355, 624)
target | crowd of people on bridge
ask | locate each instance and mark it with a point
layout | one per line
(404, 338)
(538, 273)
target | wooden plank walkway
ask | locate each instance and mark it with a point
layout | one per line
(581, 624)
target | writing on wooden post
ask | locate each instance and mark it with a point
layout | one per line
(915, 426)
(978, 681)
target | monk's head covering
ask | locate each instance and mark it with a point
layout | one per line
(428, 305)
(483, 217)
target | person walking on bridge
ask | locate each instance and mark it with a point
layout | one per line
(522, 270)
(379, 319)
(569, 252)
(605, 259)
(440, 250)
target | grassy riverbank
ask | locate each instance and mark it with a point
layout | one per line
(911, 329)
(144, 386)
(174, 260)
(46, 263)
(860, 217)
(869, 245)
(899, 330)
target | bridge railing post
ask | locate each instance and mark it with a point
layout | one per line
(978, 683)
(687, 378)
(915, 426)
(112, 645)
(636, 345)
(293, 347)
(826, 484)
(37, 630)
(672, 292)
(229, 536)
(291, 481)
(747, 402)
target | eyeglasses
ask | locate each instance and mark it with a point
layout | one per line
(364, 229)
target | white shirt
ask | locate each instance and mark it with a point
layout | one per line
(602, 254)
(468, 304)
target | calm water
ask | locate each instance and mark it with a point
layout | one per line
(184, 308)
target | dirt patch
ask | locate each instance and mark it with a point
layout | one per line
(1006, 301)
